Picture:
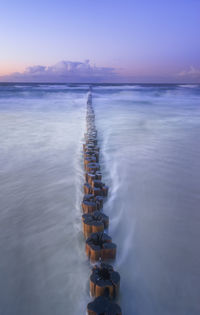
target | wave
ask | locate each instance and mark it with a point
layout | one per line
(190, 86)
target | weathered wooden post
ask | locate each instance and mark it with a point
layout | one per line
(99, 246)
(94, 222)
(103, 306)
(104, 281)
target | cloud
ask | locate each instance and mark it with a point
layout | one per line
(64, 71)
(192, 72)
(84, 72)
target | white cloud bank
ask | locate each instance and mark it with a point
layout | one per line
(84, 72)
(64, 71)
(192, 72)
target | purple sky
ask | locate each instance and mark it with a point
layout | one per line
(100, 41)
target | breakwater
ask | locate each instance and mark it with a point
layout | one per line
(99, 247)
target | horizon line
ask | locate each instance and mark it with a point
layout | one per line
(99, 83)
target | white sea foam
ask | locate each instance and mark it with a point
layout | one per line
(191, 86)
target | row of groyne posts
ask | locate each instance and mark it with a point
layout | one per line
(101, 251)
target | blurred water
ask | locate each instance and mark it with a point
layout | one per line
(43, 269)
(151, 160)
(149, 138)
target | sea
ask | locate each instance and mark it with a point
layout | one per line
(149, 138)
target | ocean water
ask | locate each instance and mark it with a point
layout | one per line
(150, 157)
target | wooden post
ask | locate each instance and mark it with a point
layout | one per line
(103, 306)
(94, 222)
(99, 246)
(104, 281)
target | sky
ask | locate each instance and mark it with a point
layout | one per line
(145, 41)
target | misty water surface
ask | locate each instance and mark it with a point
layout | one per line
(150, 158)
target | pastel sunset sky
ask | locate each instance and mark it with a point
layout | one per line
(100, 41)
